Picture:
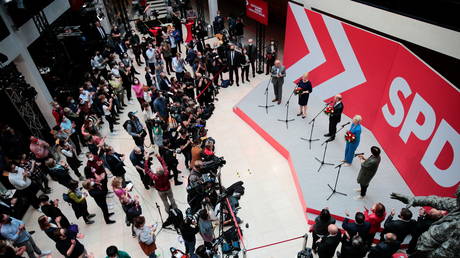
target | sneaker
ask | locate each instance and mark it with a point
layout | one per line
(45, 253)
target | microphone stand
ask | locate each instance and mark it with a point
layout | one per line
(266, 106)
(325, 150)
(312, 122)
(286, 120)
(334, 191)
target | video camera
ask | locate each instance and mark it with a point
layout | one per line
(213, 164)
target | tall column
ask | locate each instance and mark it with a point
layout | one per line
(25, 65)
(213, 7)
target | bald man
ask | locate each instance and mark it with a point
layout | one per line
(328, 244)
(385, 248)
(335, 117)
(278, 72)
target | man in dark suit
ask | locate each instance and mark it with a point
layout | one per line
(278, 72)
(164, 83)
(401, 227)
(271, 54)
(252, 53)
(385, 248)
(233, 62)
(99, 35)
(328, 244)
(115, 162)
(334, 117)
(359, 227)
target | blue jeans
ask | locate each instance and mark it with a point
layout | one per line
(190, 248)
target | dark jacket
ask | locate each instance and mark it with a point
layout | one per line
(352, 228)
(327, 246)
(384, 249)
(337, 114)
(320, 227)
(368, 170)
(398, 227)
(236, 58)
(252, 52)
(116, 165)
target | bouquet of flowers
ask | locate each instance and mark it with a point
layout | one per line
(298, 91)
(329, 110)
(350, 137)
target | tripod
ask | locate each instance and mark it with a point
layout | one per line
(325, 150)
(334, 191)
(266, 106)
(162, 221)
(312, 122)
(286, 120)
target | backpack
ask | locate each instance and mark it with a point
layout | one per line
(66, 198)
(125, 124)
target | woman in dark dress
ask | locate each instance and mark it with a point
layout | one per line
(305, 85)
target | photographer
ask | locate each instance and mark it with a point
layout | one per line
(169, 157)
(188, 231)
(134, 128)
(161, 179)
(185, 145)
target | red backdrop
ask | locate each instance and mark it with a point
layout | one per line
(257, 10)
(409, 107)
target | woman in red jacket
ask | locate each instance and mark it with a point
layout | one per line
(375, 218)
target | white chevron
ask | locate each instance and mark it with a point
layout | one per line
(352, 75)
(315, 58)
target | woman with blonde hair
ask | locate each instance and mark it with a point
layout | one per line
(352, 137)
(303, 89)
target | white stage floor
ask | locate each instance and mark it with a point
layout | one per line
(312, 185)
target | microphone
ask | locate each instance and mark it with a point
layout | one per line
(347, 123)
(357, 154)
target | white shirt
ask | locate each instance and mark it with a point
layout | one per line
(106, 110)
(18, 180)
(150, 53)
(178, 65)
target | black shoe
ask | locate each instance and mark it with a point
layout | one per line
(116, 123)
(178, 171)
(237, 85)
(32, 232)
(146, 187)
(330, 139)
(177, 183)
(89, 222)
(91, 216)
(128, 223)
(124, 105)
(111, 213)
(110, 222)
(47, 190)
(327, 135)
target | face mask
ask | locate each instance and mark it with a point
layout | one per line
(72, 101)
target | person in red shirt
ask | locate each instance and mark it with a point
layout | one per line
(375, 218)
(161, 179)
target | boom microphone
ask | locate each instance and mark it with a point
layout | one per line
(347, 123)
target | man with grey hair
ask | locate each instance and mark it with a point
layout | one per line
(278, 72)
(161, 179)
(251, 50)
(328, 244)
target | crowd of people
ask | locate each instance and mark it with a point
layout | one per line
(181, 82)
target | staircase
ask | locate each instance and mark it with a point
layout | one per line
(160, 6)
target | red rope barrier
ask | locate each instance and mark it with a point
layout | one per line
(236, 223)
(276, 243)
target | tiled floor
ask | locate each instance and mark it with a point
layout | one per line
(270, 206)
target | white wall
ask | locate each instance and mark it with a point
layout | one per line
(421, 33)
(15, 48)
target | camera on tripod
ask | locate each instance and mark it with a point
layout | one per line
(213, 164)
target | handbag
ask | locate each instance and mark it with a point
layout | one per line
(148, 249)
